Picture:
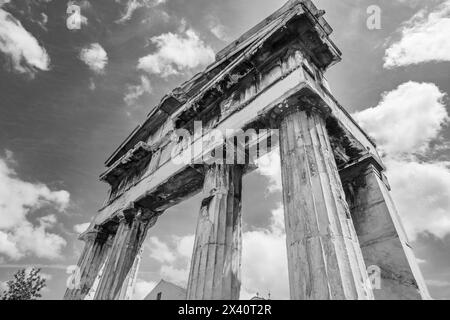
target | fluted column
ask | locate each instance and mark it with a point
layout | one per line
(130, 235)
(324, 257)
(384, 243)
(216, 259)
(93, 255)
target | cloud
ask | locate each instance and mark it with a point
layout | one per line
(18, 236)
(48, 221)
(44, 20)
(95, 57)
(21, 47)
(18, 198)
(185, 245)
(8, 247)
(264, 260)
(27, 239)
(406, 119)
(160, 251)
(218, 29)
(92, 85)
(134, 92)
(142, 289)
(424, 38)
(132, 5)
(80, 228)
(179, 276)
(176, 53)
(9, 157)
(174, 257)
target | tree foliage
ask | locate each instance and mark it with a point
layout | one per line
(26, 285)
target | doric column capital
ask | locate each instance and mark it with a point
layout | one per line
(146, 215)
(129, 213)
(90, 236)
(134, 212)
(122, 217)
(296, 104)
(131, 209)
(93, 234)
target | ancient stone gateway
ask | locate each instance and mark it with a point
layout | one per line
(340, 219)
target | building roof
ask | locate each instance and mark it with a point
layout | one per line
(164, 282)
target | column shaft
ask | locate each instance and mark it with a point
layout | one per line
(126, 245)
(93, 256)
(216, 259)
(383, 240)
(324, 257)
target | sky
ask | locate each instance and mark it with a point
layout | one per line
(73, 88)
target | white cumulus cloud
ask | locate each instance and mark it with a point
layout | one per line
(406, 119)
(424, 38)
(80, 228)
(176, 53)
(176, 275)
(160, 251)
(28, 239)
(142, 289)
(21, 47)
(174, 257)
(185, 245)
(19, 237)
(95, 57)
(264, 260)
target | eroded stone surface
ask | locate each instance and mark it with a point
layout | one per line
(383, 240)
(216, 260)
(325, 259)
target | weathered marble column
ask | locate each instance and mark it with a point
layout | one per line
(216, 259)
(324, 257)
(95, 250)
(383, 240)
(127, 242)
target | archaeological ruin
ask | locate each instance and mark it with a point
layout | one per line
(339, 215)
